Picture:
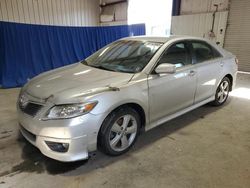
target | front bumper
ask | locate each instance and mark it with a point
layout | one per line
(79, 132)
(77, 146)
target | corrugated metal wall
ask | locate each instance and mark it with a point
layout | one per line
(237, 38)
(51, 12)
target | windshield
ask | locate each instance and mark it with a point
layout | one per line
(124, 56)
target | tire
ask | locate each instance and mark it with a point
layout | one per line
(222, 92)
(119, 131)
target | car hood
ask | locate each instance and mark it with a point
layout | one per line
(74, 79)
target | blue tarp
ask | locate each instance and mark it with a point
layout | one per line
(27, 50)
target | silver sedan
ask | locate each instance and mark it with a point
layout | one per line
(132, 84)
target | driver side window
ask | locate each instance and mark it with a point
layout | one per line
(178, 54)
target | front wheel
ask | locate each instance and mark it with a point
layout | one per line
(119, 131)
(222, 92)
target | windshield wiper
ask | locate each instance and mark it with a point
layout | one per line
(84, 62)
(105, 68)
(99, 66)
(102, 67)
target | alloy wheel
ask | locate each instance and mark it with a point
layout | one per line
(223, 91)
(123, 132)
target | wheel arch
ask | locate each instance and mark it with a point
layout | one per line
(138, 108)
(140, 111)
(230, 77)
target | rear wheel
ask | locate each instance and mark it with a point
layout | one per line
(222, 92)
(119, 131)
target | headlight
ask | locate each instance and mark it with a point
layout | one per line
(69, 110)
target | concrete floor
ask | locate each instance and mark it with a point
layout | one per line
(208, 147)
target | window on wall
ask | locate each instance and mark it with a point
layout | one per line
(156, 14)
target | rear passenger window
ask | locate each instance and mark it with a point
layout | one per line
(204, 52)
(178, 54)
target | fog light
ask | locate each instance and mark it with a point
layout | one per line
(58, 147)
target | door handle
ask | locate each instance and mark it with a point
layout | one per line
(191, 73)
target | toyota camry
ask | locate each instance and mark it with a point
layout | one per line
(132, 84)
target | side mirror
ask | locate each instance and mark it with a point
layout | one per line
(165, 68)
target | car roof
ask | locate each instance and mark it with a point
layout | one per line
(173, 38)
(163, 39)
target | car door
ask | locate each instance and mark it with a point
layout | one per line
(208, 64)
(169, 93)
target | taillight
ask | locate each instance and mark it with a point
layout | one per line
(236, 61)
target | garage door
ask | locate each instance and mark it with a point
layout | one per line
(237, 39)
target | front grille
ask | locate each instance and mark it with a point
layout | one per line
(31, 108)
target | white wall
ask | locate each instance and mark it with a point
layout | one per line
(202, 6)
(196, 19)
(114, 14)
(200, 25)
(51, 12)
